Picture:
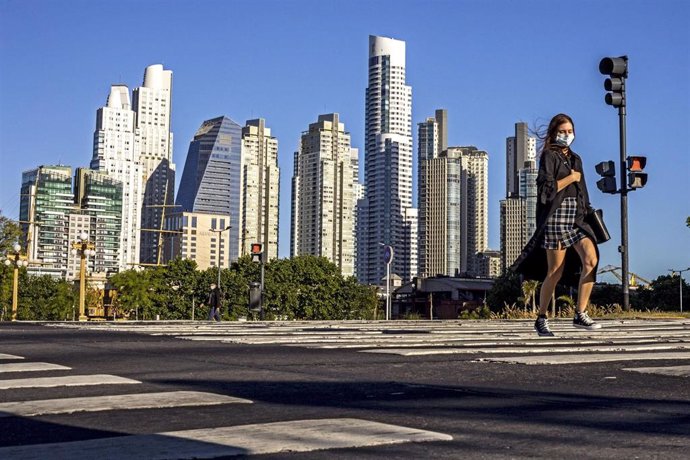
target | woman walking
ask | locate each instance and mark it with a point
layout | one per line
(563, 247)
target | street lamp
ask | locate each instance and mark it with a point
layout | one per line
(388, 258)
(680, 276)
(220, 237)
(85, 249)
(18, 260)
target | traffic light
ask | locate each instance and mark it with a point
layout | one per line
(617, 70)
(257, 252)
(607, 170)
(636, 178)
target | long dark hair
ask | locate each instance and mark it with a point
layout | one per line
(549, 136)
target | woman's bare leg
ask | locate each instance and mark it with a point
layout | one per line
(588, 256)
(555, 259)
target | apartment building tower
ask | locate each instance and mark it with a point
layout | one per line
(260, 186)
(324, 201)
(384, 217)
(116, 153)
(152, 104)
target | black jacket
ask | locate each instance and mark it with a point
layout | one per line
(554, 166)
(215, 298)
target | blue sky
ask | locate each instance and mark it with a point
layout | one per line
(489, 63)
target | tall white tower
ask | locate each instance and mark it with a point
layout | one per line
(324, 201)
(260, 186)
(115, 152)
(388, 164)
(152, 105)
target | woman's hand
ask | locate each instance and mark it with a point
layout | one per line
(575, 175)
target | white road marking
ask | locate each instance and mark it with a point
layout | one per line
(5, 356)
(116, 402)
(30, 367)
(265, 438)
(520, 350)
(676, 371)
(588, 358)
(68, 381)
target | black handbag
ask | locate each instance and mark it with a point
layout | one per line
(595, 219)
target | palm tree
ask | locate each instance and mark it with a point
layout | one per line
(568, 301)
(529, 293)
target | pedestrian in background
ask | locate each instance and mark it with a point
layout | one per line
(563, 247)
(214, 303)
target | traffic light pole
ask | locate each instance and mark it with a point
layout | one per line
(623, 248)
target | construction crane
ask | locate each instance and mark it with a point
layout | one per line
(635, 280)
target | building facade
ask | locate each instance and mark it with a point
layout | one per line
(324, 194)
(115, 152)
(99, 197)
(384, 216)
(260, 186)
(211, 180)
(518, 210)
(152, 104)
(46, 202)
(191, 237)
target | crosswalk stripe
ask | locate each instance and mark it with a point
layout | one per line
(678, 371)
(30, 367)
(586, 358)
(116, 402)
(5, 356)
(255, 439)
(447, 351)
(70, 380)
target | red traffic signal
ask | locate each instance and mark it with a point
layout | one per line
(257, 252)
(636, 178)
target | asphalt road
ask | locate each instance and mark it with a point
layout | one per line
(461, 404)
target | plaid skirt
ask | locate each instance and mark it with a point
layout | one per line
(560, 227)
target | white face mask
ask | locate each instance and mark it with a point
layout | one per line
(565, 140)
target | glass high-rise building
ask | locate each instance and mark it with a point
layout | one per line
(99, 196)
(384, 217)
(46, 203)
(211, 182)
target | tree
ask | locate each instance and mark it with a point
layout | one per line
(10, 233)
(529, 293)
(663, 294)
(506, 290)
(135, 292)
(42, 298)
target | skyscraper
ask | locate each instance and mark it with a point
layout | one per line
(53, 215)
(432, 186)
(210, 181)
(384, 212)
(518, 209)
(115, 152)
(324, 201)
(46, 202)
(260, 179)
(99, 196)
(453, 208)
(152, 106)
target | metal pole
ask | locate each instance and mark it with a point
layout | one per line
(15, 291)
(82, 287)
(388, 291)
(623, 248)
(680, 275)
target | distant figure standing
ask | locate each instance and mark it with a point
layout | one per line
(563, 247)
(214, 303)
